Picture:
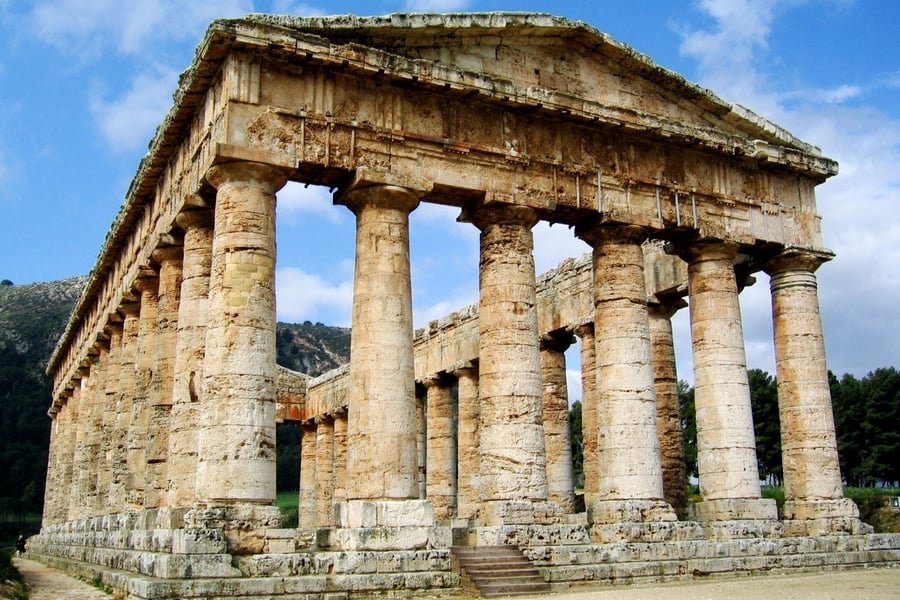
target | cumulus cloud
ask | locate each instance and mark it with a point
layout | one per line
(127, 120)
(860, 220)
(296, 200)
(303, 296)
(126, 27)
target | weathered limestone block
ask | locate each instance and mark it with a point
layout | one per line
(386, 513)
(324, 489)
(590, 463)
(726, 448)
(307, 502)
(628, 437)
(243, 526)
(237, 435)
(381, 461)
(668, 411)
(189, 352)
(555, 415)
(468, 462)
(513, 462)
(441, 467)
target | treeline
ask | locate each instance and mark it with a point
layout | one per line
(867, 422)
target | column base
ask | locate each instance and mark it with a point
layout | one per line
(602, 512)
(385, 525)
(520, 512)
(734, 509)
(244, 525)
(823, 517)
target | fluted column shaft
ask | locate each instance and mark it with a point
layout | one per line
(627, 439)
(812, 478)
(324, 471)
(110, 416)
(307, 508)
(555, 410)
(95, 497)
(140, 413)
(169, 259)
(468, 492)
(726, 447)
(668, 410)
(513, 460)
(590, 465)
(381, 462)
(190, 349)
(237, 437)
(440, 469)
(130, 312)
(340, 457)
(81, 402)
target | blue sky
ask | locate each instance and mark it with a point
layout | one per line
(83, 84)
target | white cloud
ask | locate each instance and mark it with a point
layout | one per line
(295, 200)
(130, 28)
(860, 219)
(303, 296)
(554, 244)
(129, 120)
(301, 9)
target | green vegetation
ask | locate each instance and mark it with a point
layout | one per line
(11, 585)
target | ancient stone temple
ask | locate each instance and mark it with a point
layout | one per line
(161, 478)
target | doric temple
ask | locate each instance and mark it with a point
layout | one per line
(454, 438)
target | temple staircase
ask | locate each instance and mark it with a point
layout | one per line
(491, 571)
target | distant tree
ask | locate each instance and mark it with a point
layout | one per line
(577, 441)
(689, 426)
(766, 425)
(849, 415)
(6, 282)
(881, 461)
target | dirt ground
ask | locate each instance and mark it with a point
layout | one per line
(881, 583)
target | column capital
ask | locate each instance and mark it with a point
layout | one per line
(436, 380)
(147, 280)
(585, 329)
(595, 233)
(796, 259)
(130, 309)
(706, 249)
(269, 177)
(498, 213)
(380, 196)
(168, 254)
(666, 309)
(556, 341)
(195, 219)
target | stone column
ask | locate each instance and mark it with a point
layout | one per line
(381, 462)
(307, 508)
(590, 464)
(468, 464)
(94, 434)
(81, 465)
(53, 490)
(555, 410)
(324, 483)
(630, 476)
(169, 259)
(237, 438)
(340, 457)
(813, 488)
(69, 439)
(513, 459)
(421, 441)
(147, 285)
(726, 447)
(440, 470)
(668, 409)
(110, 415)
(189, 352)
(130, 312)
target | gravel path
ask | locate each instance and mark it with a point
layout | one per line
(45, 583)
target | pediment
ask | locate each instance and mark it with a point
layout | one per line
(554, 62)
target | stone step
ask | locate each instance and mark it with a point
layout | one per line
(498, 571)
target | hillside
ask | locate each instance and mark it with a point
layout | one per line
(32, 317)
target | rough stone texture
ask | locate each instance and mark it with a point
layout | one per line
(307, 506)
(726, 448)
(627, 440)
(511, 118)
(668, 411)
(555, 416)
(809, 445)
(189, 351)
(513, 463)
(381, 460)
(237, 435)
(440, 469)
